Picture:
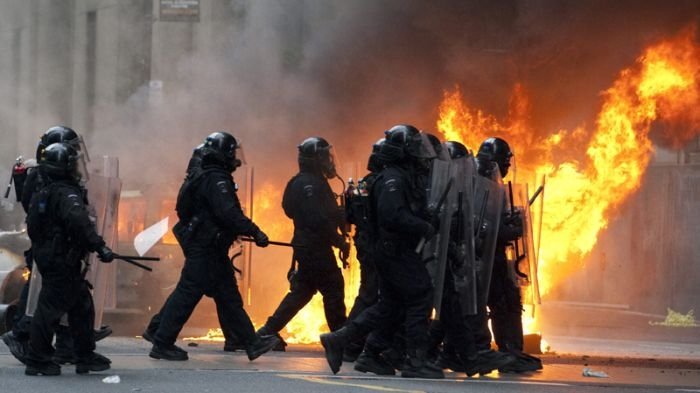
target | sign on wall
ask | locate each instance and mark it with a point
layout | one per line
(179, 10)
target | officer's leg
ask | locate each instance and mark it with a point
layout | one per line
(368, 291)
(229, 306)
(50, 307)
(332, 288)
(231, 341)
(300, 293)
(178, 310)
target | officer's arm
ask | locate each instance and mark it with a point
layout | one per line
(226, 207)
(28, 188)
(394, 212)
(73, 212)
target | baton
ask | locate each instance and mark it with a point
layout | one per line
(129, 260)
(9, 187)
(133, 258)
(536, 194)
(273, 243)
(441, 201)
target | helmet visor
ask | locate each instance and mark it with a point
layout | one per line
(420, 147)
(239, 154)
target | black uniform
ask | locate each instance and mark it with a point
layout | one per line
(404, 283)
(309, 201)
(62, 235)
(358, 213)
(193, 169)
(216, 221)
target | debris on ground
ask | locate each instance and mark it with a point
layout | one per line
(587, 372)
(112, 379)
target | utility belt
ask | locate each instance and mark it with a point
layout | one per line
(204, 232)
(394, 244)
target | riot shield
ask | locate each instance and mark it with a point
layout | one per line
(441, 202)
(522, 256)
(34, 290)
(103, 194)
(488, 205)
(464, 267)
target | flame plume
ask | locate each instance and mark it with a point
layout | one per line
(590, 173)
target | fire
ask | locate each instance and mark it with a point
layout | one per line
(597, 169)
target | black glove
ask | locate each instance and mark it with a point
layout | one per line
(261, 239)
(344, 252)
(105, 254)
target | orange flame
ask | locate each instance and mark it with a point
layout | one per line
(663, 86)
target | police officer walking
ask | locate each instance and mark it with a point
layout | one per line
(401, 221)
(504, 299)
(62, 234)
(309, 201)
(27, 183)
(210, 219)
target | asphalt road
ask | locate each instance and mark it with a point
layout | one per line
(305, 370)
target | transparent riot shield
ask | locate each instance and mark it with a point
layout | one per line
(34, 290)
(441, 202)
(488, 205)
(103, 195)
(522, 256)
(464, 267)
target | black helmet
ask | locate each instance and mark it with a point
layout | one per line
(412, 142)
(58, 134)
(59, 160)
(316, 155)
(456, 149)
(219, 148)
(495, 150)
(376, 160)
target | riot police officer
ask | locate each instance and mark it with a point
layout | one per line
(401, 221)
(194, 167)
(459, 329)
(62, 234)
(210, 219)
(504, 298)
(311, 204)
(358, 212)
(26, 184)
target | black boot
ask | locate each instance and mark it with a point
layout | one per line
(523, 363)
(261, 345)
(43, 368)
(352, 352)
(448, 359)
(417, 366)
(487, 361)
(168, 352)
(395, 357)
(334, 344)
(102, 333)
(373, 362)
(281, 346)
(92, 362)
(18, 348)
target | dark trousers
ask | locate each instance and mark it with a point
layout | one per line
(405, 297)
(55, 299)
(506, 308)
(211, 274)
(226, 330)
(304, 285)
(459, 335)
